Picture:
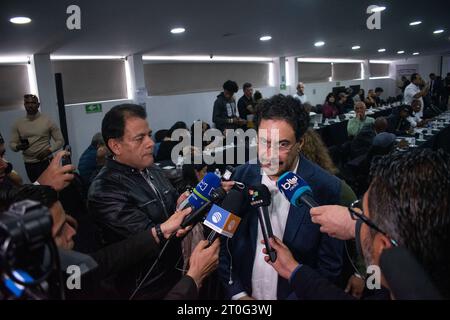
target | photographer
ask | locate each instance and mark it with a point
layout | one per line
(126, 253)
(393, 213)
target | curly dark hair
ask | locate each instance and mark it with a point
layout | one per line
(287, 108)
(409, 199)
(46, 195)
(231, 86)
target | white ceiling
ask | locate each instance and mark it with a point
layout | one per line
(230, 28)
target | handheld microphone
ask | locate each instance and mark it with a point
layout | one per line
(201, 193)
(260, 199)
(215, 196)
(224, 220)
(296, 190)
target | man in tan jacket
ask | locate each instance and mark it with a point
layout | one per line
(31, 135)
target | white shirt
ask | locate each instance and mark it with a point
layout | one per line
(410, 91)
(414, 120)
(264, 277)
(302, 98)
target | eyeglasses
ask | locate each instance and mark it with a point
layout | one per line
(283, 146)
(356, 213)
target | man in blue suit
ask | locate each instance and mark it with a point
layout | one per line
(281, 123)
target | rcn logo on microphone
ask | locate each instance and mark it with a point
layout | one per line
(291, 183)
(222, 221)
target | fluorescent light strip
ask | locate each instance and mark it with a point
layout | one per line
(362, 71)
(80, 57)
(18, 59)
(328, 60)
(205, 58)
(271, 75)
(380, 61)
(374, 78)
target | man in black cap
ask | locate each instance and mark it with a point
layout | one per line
(398, 123)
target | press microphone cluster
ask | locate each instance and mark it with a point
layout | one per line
(296, 190)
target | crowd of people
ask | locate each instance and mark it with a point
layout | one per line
(120, 208)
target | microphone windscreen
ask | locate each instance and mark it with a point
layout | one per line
(292, 186)
(259, 196)
(222, 221)
(202, 192)
(406, 278)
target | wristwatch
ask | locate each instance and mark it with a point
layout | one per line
(159, 233)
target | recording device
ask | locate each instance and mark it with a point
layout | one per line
(260, 199)
(229, 170)
(224, 220)
(29, 260)
(67, 159)
(296, 190)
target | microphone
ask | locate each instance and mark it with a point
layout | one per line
(224, 220)
(201, 193)
(216, 195)
(296, 190)
(260, 199)
(406, 277)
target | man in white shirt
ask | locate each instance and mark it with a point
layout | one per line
(300, 95)
(281, 124)
(413, 91)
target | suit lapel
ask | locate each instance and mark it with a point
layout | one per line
(297, 215)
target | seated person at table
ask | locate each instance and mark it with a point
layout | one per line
(398, 123)
(329, 109)
(243, 271)
(342, 103)
(415, 119)
(355, 125)
(370, 100)
(362, 142)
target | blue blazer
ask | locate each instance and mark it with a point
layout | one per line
(308, 245)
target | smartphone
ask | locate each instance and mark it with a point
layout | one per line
(67, 158)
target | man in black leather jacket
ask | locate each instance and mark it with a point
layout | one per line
(130, 195)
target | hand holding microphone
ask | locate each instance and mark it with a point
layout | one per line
(260, 199)
(334, 220)
(285, 263)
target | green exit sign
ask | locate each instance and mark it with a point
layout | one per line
(283, 86)
(93, 108)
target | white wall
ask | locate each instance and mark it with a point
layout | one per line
(163, 112)
(427, 65)
(316, 92)
(81, 126)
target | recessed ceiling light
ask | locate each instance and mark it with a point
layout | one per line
(20, 20)
(177, 30)
(356, 47)
(400, 52)
(378, 9)
(319, 43)
(415, 23)
(438, 31)
(265, 38)
(381, 50)
(415, 53)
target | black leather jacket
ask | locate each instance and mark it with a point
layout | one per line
(123, 203)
